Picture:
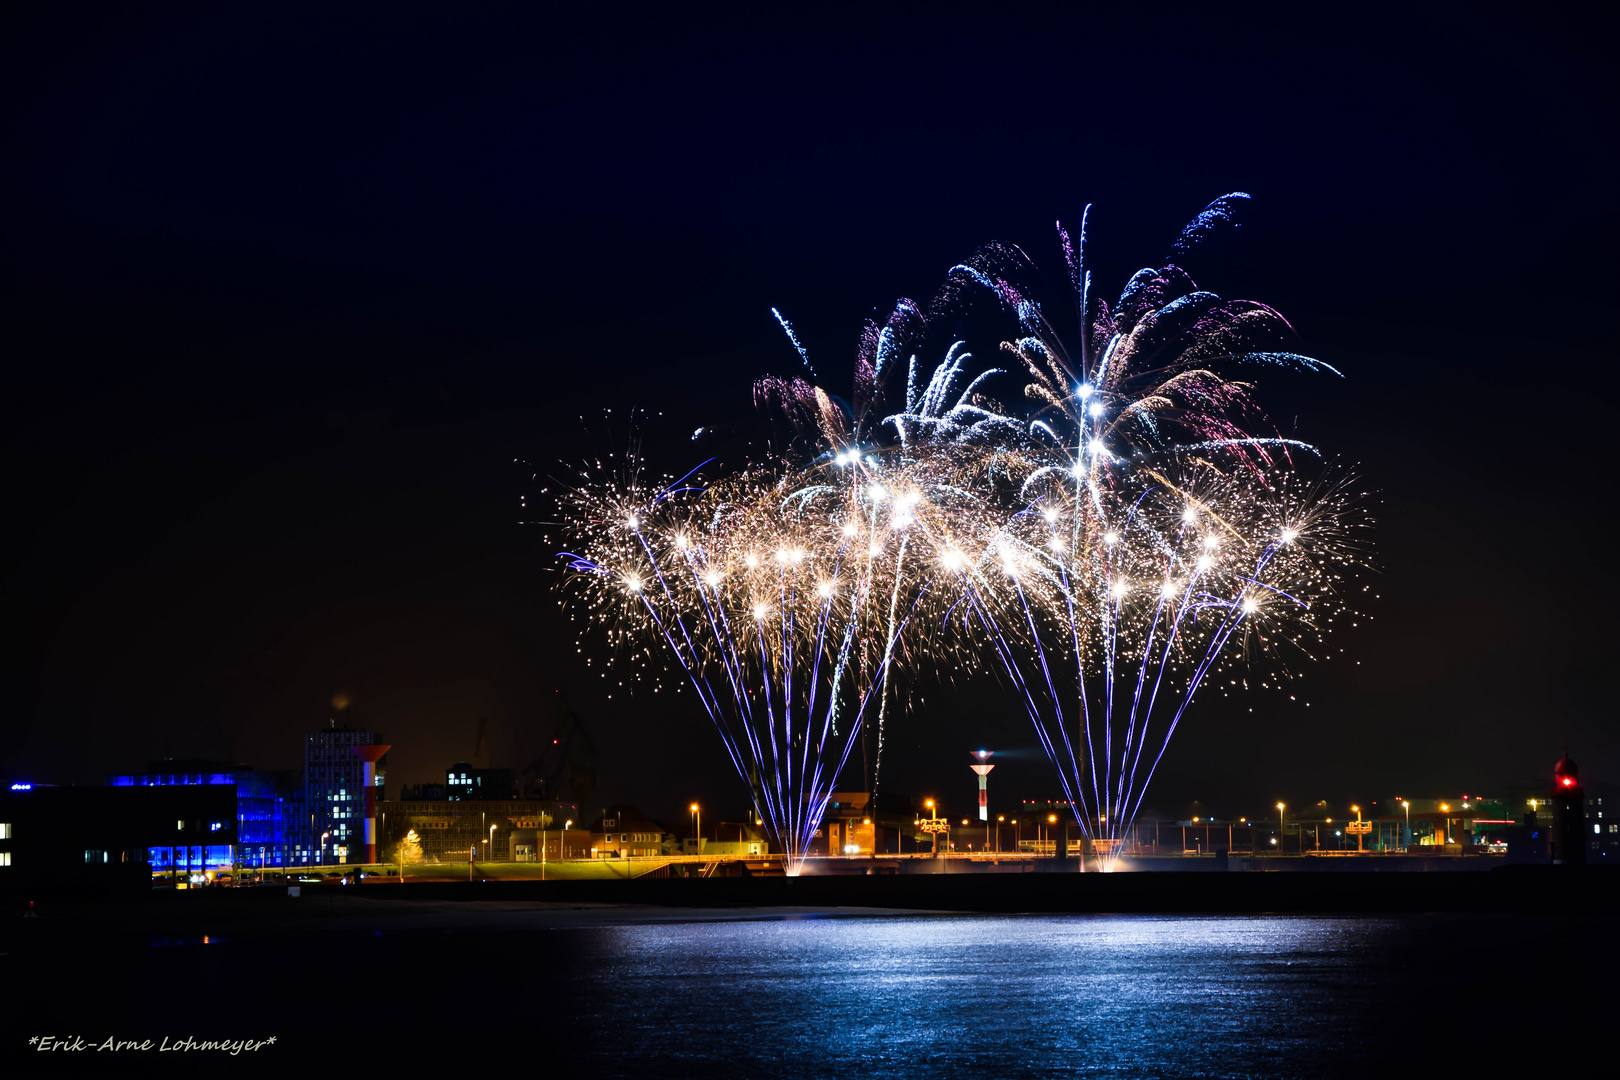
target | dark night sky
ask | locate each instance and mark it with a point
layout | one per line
(288, 290)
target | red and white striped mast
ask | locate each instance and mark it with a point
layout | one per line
(983, 769)
(370, 755)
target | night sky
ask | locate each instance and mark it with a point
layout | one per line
(292, 294)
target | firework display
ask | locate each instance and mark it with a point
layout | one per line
(1107, 607)
(1120, 535)
(782, 600)
(1152, 527)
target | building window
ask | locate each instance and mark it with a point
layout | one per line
(5, 858)
(5, 830)
(95, 856)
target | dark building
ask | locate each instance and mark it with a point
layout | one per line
(1527, 843)
(462, 781)
(1603, 832)
(90, 836)
(334, 796)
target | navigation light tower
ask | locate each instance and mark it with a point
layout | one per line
(983, 769)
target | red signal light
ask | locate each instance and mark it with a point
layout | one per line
(1567, 781)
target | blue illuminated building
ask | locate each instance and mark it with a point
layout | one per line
(267, 809)
(282, 818)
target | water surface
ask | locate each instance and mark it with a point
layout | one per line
(661, 993)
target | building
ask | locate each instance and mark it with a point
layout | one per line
(286, 818)
(267, 808)
(463, 782)
(847, 826)
(623, 832)
(490, 830)
(334, 796)
(114, 836)
(558, 844)
(1466, 824)
(1527, 842)
(731, 838)
(1603, 839)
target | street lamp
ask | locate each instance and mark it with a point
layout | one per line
(1282, 827)
(1051, 819)
(322, 855)
(1000, 819)
(933, 825)
(1360, 828)
(490, 850)
(1408, 808)
(697, 827)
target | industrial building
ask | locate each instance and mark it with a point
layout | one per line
(103, 836)
(487, 830)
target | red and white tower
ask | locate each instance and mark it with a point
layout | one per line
(983, 769)
(370, 755)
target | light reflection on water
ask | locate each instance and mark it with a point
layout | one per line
(992, 996)
(648, 992)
